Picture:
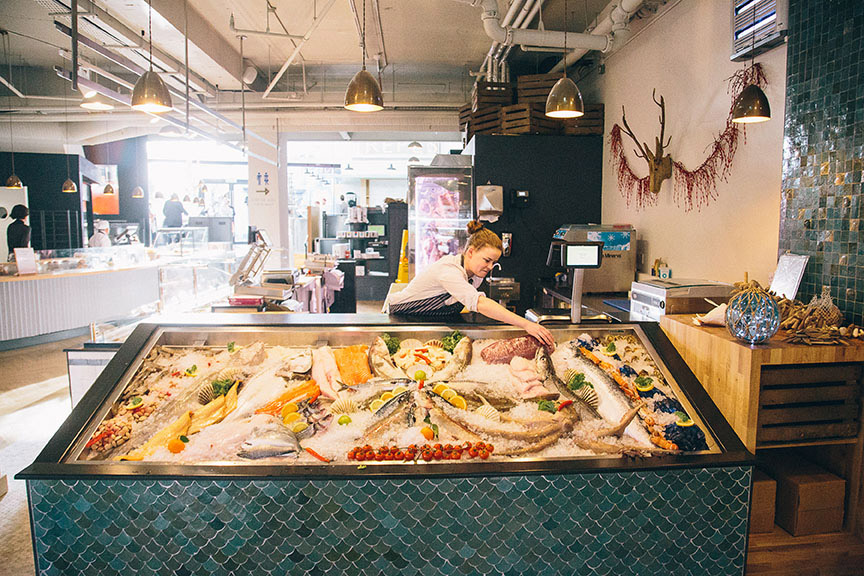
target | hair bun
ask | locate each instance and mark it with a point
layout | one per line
(475, 226)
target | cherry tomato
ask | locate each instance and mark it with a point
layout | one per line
(361, 457)
(427, 456)
(466, 446)
(351, 455)
(448, 447)
(388, 456)
(483, 454)
(379, 457)
(437, 454)
(490, 448)
(472, 452)
(437, 447)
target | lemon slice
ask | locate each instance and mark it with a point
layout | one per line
(375, 405)
(387, 396)
(291, 417)
(684, 423)
(645, 388)
(289, 408)
(439, 388)
(399, 390)
(459, 402)
(448, 394)
(299, 427)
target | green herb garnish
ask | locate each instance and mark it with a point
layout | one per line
(184, 439)
(682, 416)
(137, 400)
(222, 386)
(610, 348)
(191, 370)
(547, 406)
(577, 381)
(392, 343)
(643, 381)
(451, 340)
(231, 347)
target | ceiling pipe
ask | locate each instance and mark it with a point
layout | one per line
(523, 20)
(508, 18)
(616, 24)
(508, 35)
(315, 23)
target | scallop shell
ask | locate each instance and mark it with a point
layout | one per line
(568, 374)
(410, 344)
(489, 412)
(588, 395)
(206, 394)
(343, 406)
(435, 344)
(229, 374)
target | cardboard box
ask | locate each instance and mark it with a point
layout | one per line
(762, 503)
(809, 498)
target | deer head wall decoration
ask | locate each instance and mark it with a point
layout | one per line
(659, 164)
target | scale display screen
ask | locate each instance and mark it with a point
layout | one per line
(583, 256)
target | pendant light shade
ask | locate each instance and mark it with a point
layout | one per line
(96, 102)
(69, 187)
(138, 192)
(413, 160)
(108, 190)
(751, 106)
(415, 145)
(363, 93)
(150, 94)
(14, 182)
(565, 100)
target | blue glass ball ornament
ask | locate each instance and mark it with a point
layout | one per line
(753, 316)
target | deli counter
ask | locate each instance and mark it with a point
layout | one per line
(359, 444)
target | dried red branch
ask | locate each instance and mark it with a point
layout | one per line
(630, 185)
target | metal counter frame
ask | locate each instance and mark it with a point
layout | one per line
(677, 512)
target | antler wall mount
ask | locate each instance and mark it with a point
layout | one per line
(691, 187)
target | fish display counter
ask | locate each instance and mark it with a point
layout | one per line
(241, 444)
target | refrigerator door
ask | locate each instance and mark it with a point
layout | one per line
(440, 205)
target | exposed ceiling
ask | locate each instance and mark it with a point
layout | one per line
(423, 50)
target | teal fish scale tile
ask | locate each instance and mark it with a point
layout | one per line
(658, 522)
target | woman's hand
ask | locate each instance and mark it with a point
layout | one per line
(541, 333)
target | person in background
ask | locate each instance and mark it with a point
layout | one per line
(450, 283)
(18, 233)
(100, 238)
(173, 211)
(342, 207)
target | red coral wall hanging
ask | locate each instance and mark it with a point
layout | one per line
(690, 187)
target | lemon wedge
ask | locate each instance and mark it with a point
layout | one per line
(375, 405)
(399, 390)
(291, 417)
(439, 388)
(387, 396)
(459, 402)
(448, 394)
(299, 427)
(289, 408)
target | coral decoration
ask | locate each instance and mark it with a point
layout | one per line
(697, 187)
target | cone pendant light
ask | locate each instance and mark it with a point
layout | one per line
(363, 93)
(150, 93)
(565, 100)
(752, 104)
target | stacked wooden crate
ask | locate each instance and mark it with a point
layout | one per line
(534, 88)
(589, 124)
(482, 115)
(528, 118)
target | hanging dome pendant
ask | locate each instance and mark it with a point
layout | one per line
(752, 106)
(565, 100)
(363, 93)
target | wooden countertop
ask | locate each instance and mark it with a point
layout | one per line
(74, 273)
(775, 351)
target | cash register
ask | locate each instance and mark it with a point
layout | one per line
(576, 257)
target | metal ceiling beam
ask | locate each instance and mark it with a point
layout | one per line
(133, 67)
(132, 38)
(202, 35)
(374, 30)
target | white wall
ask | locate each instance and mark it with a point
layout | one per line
(684, 54)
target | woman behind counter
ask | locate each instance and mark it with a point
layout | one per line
(18, 233)
(451, 283)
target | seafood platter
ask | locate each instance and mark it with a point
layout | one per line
(392, 395)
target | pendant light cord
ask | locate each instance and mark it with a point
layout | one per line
(6, 50)
(564, 60)
(363, 35)
(66, 127)
(150, 30)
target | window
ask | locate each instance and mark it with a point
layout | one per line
(757, 26)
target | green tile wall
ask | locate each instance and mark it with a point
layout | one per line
(823, 150)
(650, 522)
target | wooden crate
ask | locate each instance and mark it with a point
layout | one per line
(535, 88)
(589, 124)
(528, 119)
(492, 94)
(485, 120)
(464, 116)
(806, 403)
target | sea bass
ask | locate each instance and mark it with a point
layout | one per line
(381, 362)
(503, 351)
(269, 441)
(546, 370)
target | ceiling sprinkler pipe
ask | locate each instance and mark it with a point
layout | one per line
(523, 20)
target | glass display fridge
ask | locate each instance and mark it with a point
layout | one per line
(440, 205)
(254, 444)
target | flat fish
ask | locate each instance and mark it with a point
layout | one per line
(381, 361)
(527, 381)
(458, 361)
(503, 351)
(268, 442)
(325, 372)
(294, 363)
